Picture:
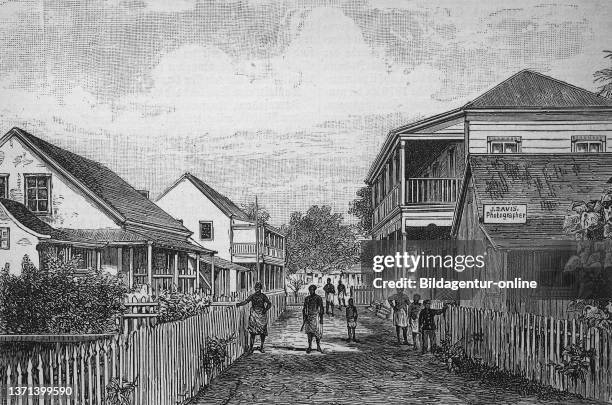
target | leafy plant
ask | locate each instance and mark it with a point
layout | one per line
(175, 306)
(214, 353)
(576, 362)
(295, 283)
(119, 392)
(58, 299)
(452, 354)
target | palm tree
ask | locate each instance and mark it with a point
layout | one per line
(605, 76)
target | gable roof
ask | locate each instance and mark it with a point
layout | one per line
(546, 183)
(529, 89)
(105, 186)
(226, 205)
(24, 216)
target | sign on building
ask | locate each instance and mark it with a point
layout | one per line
(505, 213)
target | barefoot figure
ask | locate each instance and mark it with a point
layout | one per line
(351, 320)
(330, 291)
(341, 294)
(312, 314)
(399, 302)
(258, 319)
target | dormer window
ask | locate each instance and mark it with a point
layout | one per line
(588, 143)
(504, 144)
(38, 193)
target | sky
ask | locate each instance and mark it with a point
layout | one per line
(286, 100)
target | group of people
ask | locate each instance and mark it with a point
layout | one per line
(416, 315)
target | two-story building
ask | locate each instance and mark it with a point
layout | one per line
(258, 252)
(417, 175)
(53, 201)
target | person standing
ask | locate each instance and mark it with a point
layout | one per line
(414, 309)
(399, 302)
(341, 294)
(427, 324)
(351, 320)
(330, 291)
(258, 318)
(312, 315)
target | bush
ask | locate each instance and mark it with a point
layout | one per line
(214, 353)
(174, 306)
(55, 299)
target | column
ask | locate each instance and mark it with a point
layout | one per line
(212, 274)
(175, 278)
(98, 260)
(131, 274)
(403, 198)
(197, 279)
(150, 267)
(119, 261)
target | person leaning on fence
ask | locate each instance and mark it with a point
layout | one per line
(312, 315)
(258, 318)
(351, 320)
(341, 294)
(330, 291)
(399, 302)
(427, 324)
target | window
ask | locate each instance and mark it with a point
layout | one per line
(5, 238)
(38, 196)
(511, 144)
(588, 144)
(3, 185)
(206, 230)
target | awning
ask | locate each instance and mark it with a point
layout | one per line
(222, 263)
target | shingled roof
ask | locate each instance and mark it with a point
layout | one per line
(104, 184)
(546, 183)
(24, 216)
(226, 205)
(529, 89)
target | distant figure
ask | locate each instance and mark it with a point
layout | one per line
(351, 320)
(414, 309)
(330, 291)
(427, 325)
(258, 319)
(341, 294)
(312, 314)
(399, 302)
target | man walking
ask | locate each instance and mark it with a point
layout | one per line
(399, 302)
(341, 294)
(312, 315)
(330, 291)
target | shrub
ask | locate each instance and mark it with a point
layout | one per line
(55, 299)
(174, 306)
(214, 353)
(119, 392)
(576, 362)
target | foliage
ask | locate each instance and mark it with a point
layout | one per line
(175, 306)
(362, 208)
(295, 284)
(452, 354)
(594, 313)
(604, 76)
(57, 299)
(576, 361)
(214, 353)
(119, 392)
(262, 213)
(318, 241)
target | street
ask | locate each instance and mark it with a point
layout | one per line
(374, 370)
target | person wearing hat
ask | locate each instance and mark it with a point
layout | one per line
(258, 318)
(312, 314)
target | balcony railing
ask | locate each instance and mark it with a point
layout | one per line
(248, 249)
(429, 190)
(387, 205)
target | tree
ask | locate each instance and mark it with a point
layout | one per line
(264, 215)
(604, 76)
(319, 241)
(361, 207)
(295, 283)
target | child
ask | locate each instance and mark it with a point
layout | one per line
(427, 325)
(351, 320)
(414, 310)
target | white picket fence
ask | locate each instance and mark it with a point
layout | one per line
(163, 360)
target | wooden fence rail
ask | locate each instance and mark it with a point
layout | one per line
(164, 360)
(530, 345)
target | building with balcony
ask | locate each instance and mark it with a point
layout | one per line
(53, 201)
(417, 175)
(258, 252)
